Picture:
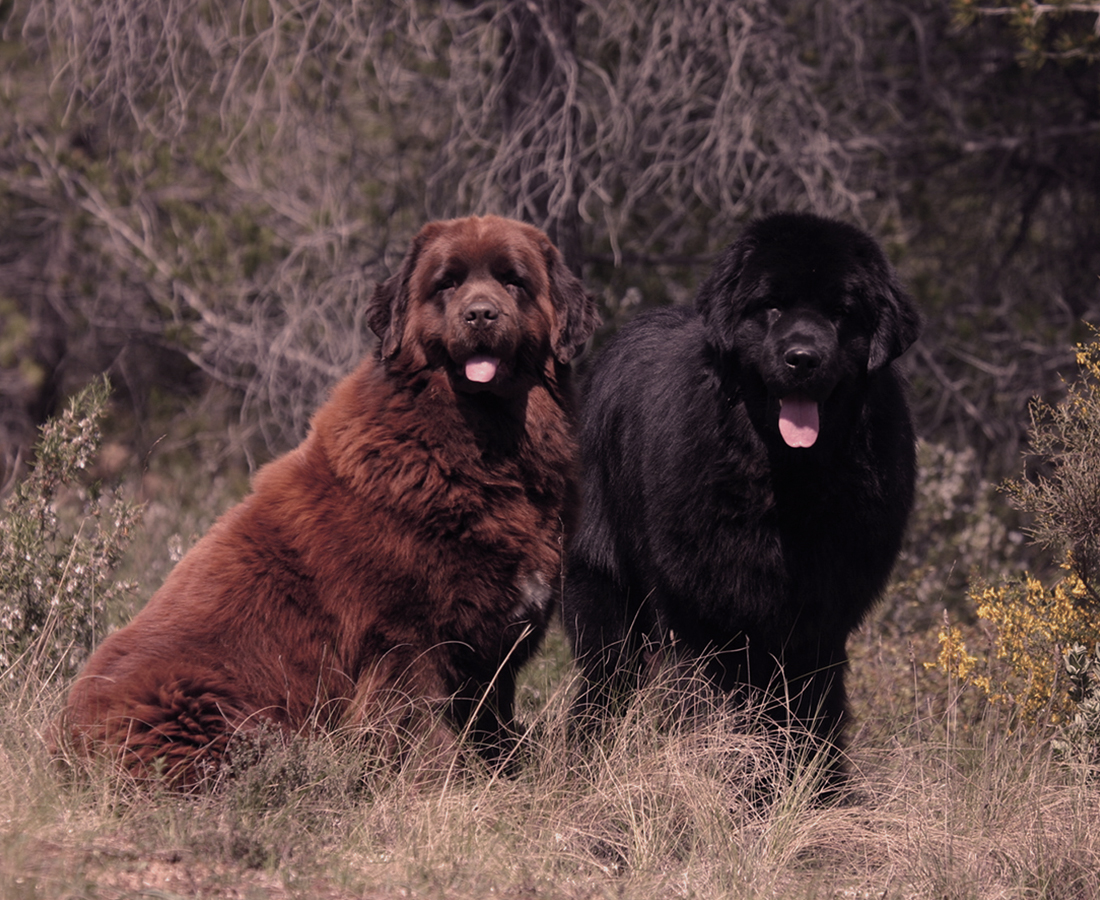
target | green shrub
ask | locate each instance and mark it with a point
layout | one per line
(1080, 737)
(1064, 497)
(60, 540)
(958, 527)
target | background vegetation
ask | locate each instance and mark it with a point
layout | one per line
(197, 198)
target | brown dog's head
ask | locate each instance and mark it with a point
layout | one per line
(488, 299)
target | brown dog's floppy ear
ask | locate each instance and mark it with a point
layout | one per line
(386, 313)
(389, 304)
(576, 314)
(898, 325)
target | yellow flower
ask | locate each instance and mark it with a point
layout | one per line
(1030, 625)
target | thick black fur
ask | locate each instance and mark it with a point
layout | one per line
(702, 531)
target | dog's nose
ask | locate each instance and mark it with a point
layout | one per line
(802, 359)
(481, 312)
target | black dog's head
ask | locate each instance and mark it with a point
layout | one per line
(805, 308)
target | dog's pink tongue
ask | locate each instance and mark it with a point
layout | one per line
(798, 421)
(481, 368)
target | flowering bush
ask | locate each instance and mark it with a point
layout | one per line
(60, 541)
(1040, 662)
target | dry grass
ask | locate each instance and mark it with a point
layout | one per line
(653, 810)
(946, 805)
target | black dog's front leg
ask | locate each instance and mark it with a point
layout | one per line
(607, 643)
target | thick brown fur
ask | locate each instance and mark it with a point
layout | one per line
(395, 570)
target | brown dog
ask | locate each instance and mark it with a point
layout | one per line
(396, 569)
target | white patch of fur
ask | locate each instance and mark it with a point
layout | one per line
(534, 598)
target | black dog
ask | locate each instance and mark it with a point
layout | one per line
(748, 473)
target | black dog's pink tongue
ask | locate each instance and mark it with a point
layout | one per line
(798, 420)
(481, 368)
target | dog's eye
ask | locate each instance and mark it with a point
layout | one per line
(446, 283)
(512, 280)
(766, 307)
(847, 308)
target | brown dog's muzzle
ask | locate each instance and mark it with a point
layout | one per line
(482, 336)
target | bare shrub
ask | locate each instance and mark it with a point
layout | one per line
(242, 174)
(688, 117)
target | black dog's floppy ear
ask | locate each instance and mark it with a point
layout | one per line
(575, 311)
(389, 304)
(715, 300)
(898, 326)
